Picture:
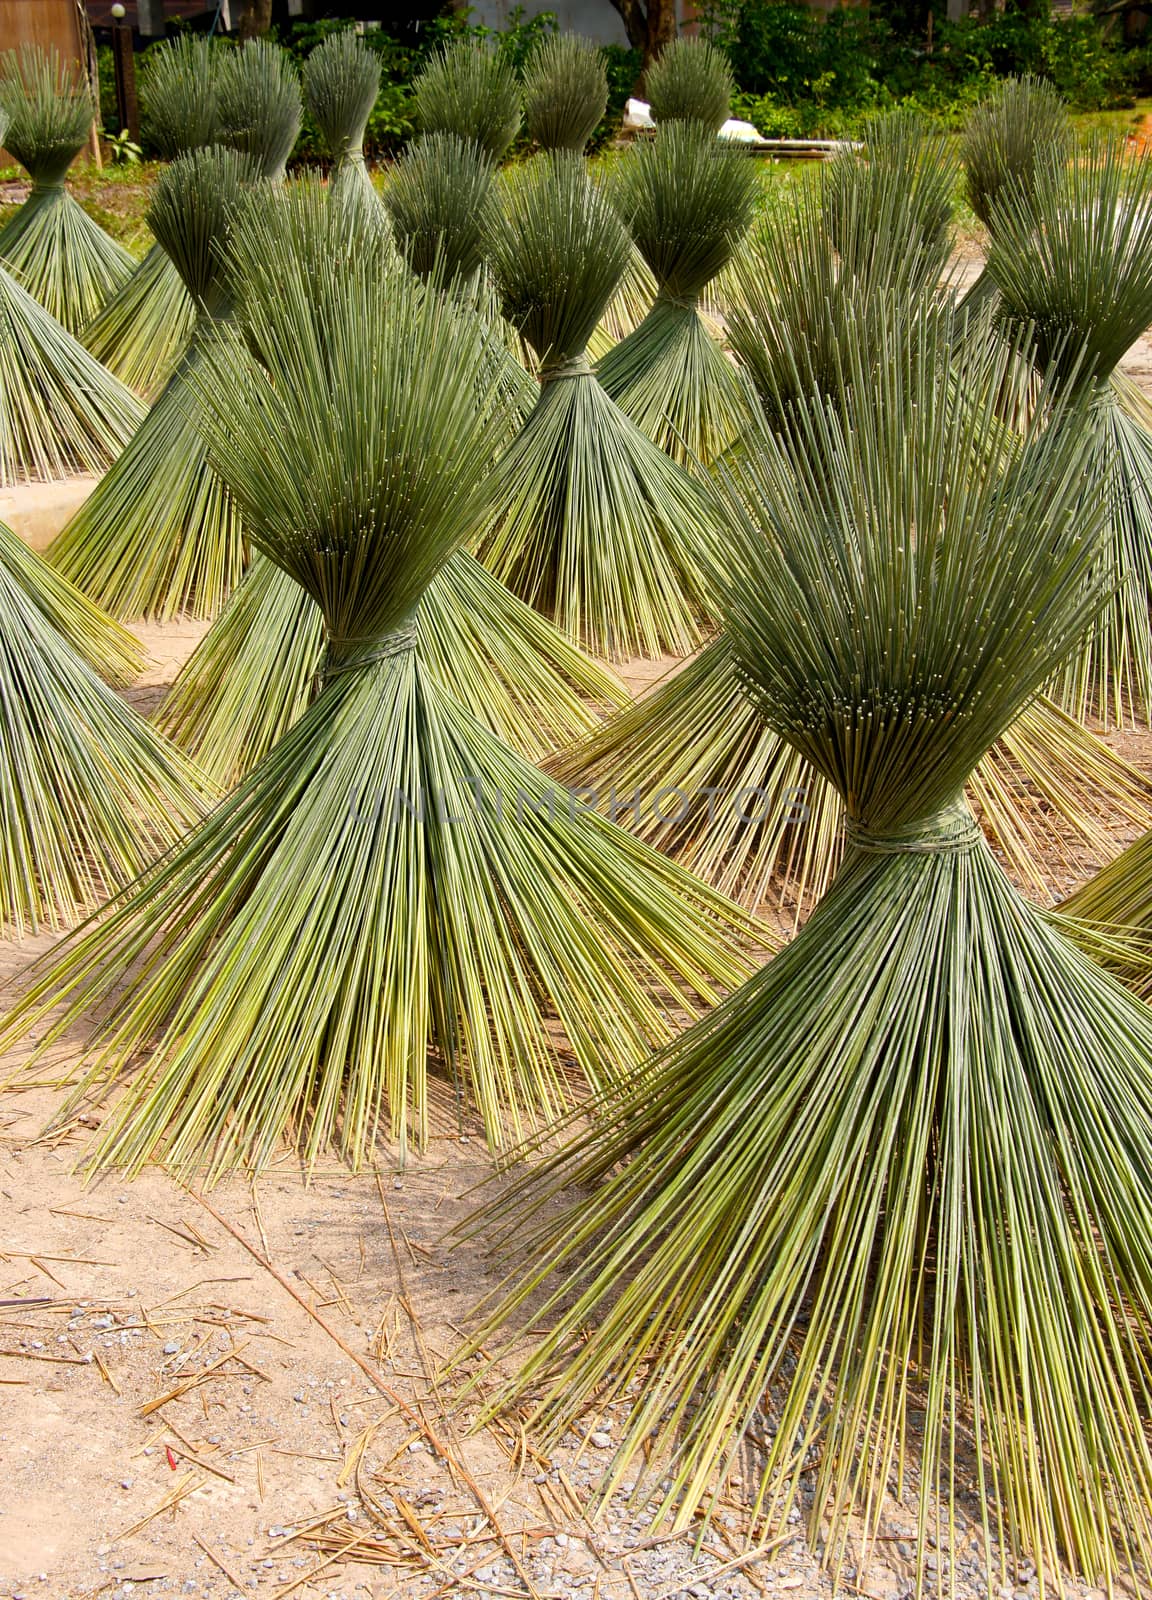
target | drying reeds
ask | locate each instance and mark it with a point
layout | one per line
(259, 666)
(1020, 128)
(438, 199)
(888, 211)
(140, 334)
(754, 819)
(690, 81)
(96, 638)
(1072, 258)
(258, 105)
(470, 90)
(91, 792)
(160, 534)
(391, 878)
(687, 202)
(60, 411)
(60, 255)
(341, 82)
(593, 523)
(882, 1221)
(565, 92)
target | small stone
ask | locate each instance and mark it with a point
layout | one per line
(171, 1347)
(602, 1441)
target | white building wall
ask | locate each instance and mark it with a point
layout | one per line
(595, 19)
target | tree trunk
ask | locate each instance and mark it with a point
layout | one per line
(661, 29)
(255, 18)
(650, 25)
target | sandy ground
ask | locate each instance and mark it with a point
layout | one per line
(233, 1392)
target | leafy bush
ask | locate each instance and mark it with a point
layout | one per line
(804, 72)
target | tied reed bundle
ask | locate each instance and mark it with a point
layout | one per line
(892, 1201)
(91, 792)
(160, 534)
(691, 81)
(471, 91)
(438, 198)
(594, 524)
(60, 411)
(55, 249)
(890, 208)
(257, 669)
(688, 202)
(1072, 258)
(565, 92)
(258, 106)
(142, 331)
(389, 880)
(341, 82)
(1020, 128)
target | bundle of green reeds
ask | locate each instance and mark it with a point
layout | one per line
(594, 524)
(258, 668)
(1072, 257)
(391, 878)
(60, 255)
(470, 90)
(565, 92)
(688, 202)
(258, 105)
(754, 819)
(60, 411)
(160, 534)
(438, 198)
(1022, 127)
(888, 210)
(91, 792)
(888, 1209)
(142, 331)
(691, 81)
(341, 82)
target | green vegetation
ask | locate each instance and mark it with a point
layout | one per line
(799, 71)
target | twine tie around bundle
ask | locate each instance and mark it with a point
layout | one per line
(683, 302)
(574, 367)
(953, 831)
(397, 643)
